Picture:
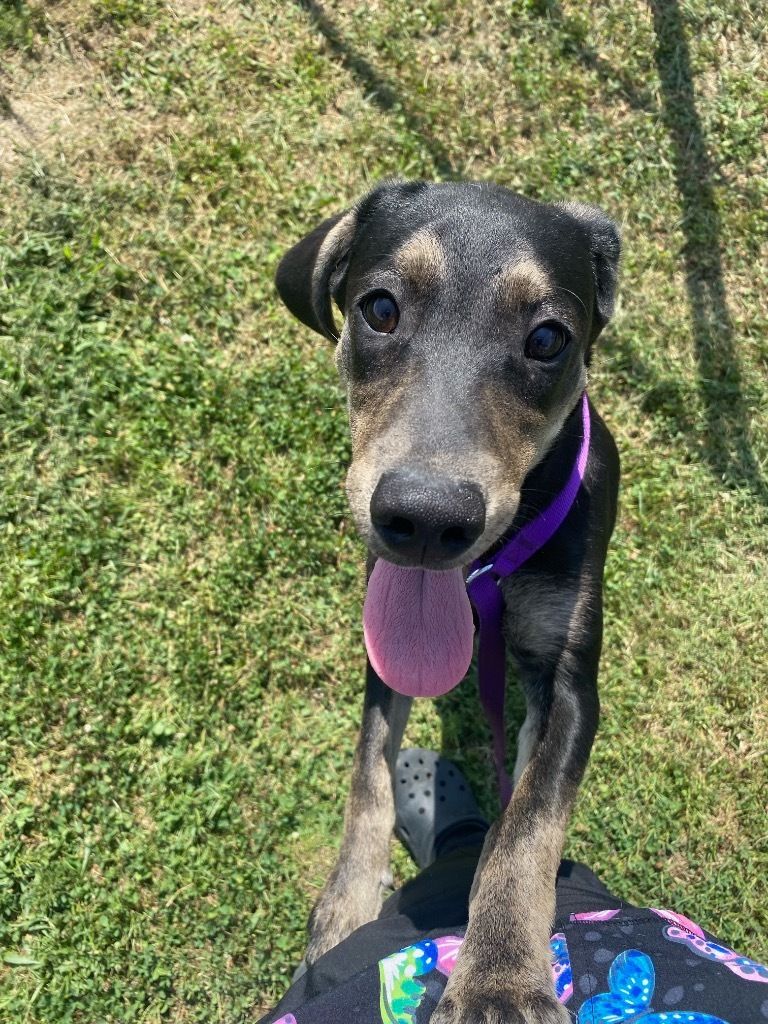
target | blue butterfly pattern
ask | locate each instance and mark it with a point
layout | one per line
(631, 980)
(562, 975)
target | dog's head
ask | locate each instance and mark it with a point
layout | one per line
(469, 318)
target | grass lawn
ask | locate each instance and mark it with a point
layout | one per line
(180, 586)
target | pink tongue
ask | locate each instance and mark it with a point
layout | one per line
(418, 628)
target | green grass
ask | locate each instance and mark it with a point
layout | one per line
(180, 586)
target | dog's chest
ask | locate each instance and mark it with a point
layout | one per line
(541, 613)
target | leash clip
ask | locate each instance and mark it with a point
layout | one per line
(478, 572)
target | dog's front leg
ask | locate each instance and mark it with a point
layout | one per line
(504, 974)
(353, 892)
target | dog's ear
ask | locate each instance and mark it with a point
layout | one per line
(314, 271)
(605, 252)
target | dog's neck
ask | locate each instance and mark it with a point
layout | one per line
(546, 479)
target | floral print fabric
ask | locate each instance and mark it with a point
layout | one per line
(631, 976)
(610, 966)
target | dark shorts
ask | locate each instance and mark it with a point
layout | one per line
(609, 957)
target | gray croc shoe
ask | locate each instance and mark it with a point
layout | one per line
(432, 799)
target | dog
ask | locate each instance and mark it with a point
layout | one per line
(470, 315)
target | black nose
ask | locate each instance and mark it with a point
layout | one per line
(427, 518)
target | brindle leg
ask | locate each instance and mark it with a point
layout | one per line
(503, 974)
(353, 893)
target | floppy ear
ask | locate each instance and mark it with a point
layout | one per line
(604, 251)
(314, 271)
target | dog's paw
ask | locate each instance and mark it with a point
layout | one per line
(339, 912)
(499, 1007)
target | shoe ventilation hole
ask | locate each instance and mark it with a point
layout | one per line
(416, 777)
(421, 760)
(461, 788)
(406, 764)
(450, 771)
(442, 799)
(403, 781)
(429, 775)
(427, 792)
(421, 810)
(411, 796)
(442, 782)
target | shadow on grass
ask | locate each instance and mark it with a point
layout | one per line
(377, 88)
(727, 447)
(576, 47)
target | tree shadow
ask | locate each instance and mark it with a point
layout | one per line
(727, 446)
(377, 88)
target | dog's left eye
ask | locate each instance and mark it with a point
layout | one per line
(546, 342)
(380, 312)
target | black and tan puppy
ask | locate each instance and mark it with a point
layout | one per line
(470, 313)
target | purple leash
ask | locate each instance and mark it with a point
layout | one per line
(485, 593)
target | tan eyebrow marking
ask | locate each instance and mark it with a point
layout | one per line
(422, 259)
(523, 283)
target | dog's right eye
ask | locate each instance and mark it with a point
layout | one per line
(380, 312)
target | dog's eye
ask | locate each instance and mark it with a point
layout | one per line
(380, 312)
(546, 342)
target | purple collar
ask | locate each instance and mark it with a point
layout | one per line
(485, 594)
